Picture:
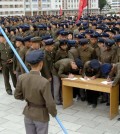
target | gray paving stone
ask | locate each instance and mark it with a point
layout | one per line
(87, 122)
(54, 129)
(108, 128)
(65, 117)
(88, 130)
(77, 119)
(14, 118)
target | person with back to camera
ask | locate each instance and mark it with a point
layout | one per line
(35, 90)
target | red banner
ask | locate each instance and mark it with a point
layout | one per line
(82, 5)
(61, 11)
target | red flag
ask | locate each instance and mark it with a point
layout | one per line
(82, 5)
(61, 11)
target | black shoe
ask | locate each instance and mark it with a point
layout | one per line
(94, 105)
(82, 98)
(103, 101)
(60, 103)
(107, 104)
(118, 119)
(89, 103)
(9, 92)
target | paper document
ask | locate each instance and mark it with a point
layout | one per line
(106, 82)
(72, 78)
(85, 79)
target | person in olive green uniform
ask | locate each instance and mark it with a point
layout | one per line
(35, 90)
(92, 70)
(63, 69)
(94, 42)
(21, 49)
(116, 71)
(86, 52)
(6, 64)
(73, 48)
(108, 55)
(35, 45)
(48, 61)
(117, 40)
(108, 73)
(100, 48)
(63, 52)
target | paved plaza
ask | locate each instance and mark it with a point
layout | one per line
(78, 119)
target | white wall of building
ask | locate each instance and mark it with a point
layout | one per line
(12, 7)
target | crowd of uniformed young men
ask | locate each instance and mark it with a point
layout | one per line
(89, 47)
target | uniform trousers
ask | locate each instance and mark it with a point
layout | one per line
(6, 69)
(56, 87)
(35, 127)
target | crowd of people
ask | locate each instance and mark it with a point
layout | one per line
(89, 47)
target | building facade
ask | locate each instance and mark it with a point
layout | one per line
(12, 7)
(44, 7)
(32, 7)
(113, 7)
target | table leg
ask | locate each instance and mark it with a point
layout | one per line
(67, 95)
(114, 101)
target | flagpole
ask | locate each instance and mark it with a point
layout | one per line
(87, 7)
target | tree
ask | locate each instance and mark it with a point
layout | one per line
(102, 3)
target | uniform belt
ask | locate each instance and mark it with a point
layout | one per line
(35, 105)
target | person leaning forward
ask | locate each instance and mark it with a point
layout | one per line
(40, 103)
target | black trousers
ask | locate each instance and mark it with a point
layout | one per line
(92, 96)
(6, 70)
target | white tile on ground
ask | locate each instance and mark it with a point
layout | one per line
(71, 126)
(14, 118)
(69, 132)
(4, 107)
(3, 113)
(1, 129)
(88, 130)
(2, 120)
(21, 131)
(15, 111)
(108, 128)
(8, 132)
(53, 122)
(105, 120)
(99, 112)
(85, 115)
(12, 126)
(54, 129)
(68, 118)
(86, 122)
(67, 111)
(18, 104)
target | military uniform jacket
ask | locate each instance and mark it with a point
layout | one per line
(108, 56)
(87, 54)
(48, 64)
(117, 58)
(117, 72)
(6, 54)
(88, 72)
(62, 68)
(16, 65)
(74, 52)
(35, 89)
(61, 54)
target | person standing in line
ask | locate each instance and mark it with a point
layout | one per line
(35, 90)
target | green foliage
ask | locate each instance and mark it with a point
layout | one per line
(102, 3)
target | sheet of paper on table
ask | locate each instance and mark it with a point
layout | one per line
(72, 78)
(106, 82)
(85, 79)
